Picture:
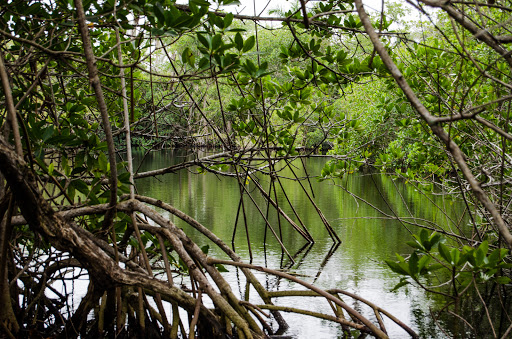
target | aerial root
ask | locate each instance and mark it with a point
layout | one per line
(121, 281)
(360, 322)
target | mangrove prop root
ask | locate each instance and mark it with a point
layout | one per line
(109, 267)
(329, 295)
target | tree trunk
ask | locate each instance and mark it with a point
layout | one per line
(8, 322)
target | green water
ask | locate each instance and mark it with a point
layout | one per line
(356, 265)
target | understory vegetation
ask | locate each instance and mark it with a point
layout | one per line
(419, 91)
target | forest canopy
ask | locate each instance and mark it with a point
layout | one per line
(419, 91)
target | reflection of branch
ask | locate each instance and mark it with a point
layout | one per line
(334, 236)
(201, 161)
(304, 233)
(307, 246)
(386, 216)
(377, 309)
(485, 307)
(324, 262)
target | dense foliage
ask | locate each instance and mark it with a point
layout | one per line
(84, 81)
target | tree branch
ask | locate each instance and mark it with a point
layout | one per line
(102, 106)
(11, 109)
(436, 128)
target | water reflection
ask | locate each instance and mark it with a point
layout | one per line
(356, 265)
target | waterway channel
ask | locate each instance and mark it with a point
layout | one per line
(356, 265)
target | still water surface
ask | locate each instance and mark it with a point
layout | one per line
(357, 265)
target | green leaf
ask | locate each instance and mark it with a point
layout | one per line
(471, 258)
(230, 2)
(423, 262)
(81, 186)
(221, 268)
(403, 282)
(184, 21)
(103, 162)
(424, 236)
(51, 168)
(455, 255)
(435, 267)
(484, 247)
(415, 244)
(413, 264)
(185, 56)
(216, 41)
(257, 90)
(249, 44)
(202, 39)
(239, 41)
(204, 63)
(199, 2)
(78, 170)
(503, 253)
(159, 13)
(182, 266)
(216, 20)
(71, 192)
(157, 31)
(435, 238)
(503, 280)
(395, 267)
(124, 177)
(77, 108)
(250, 67)
(48, 133)
(205, 249)
(445, 252)
(228, 19)
(494, 257)
(480, 254)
